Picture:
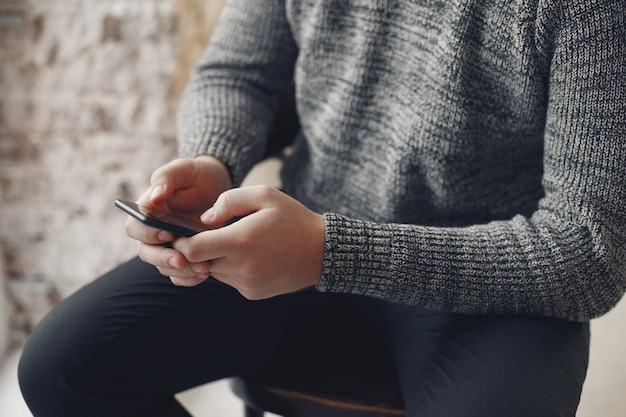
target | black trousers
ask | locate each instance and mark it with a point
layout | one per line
(126, 343)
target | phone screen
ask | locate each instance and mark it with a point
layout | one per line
(161, 220)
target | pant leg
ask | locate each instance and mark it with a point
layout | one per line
(126, 343)
(486, 366)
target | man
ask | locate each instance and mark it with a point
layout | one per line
(452, 209)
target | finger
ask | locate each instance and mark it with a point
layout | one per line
(170, 262)
(226, 277)
(144, 199)
(171, 177)
(175, 266)
(236, 237)
(138, 231)
(190, 271)
(245, 285)
(209, 245)
(166, 259)
(188, 282)
(164, 181)
(238, 202)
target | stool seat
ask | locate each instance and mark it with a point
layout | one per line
(308, 398)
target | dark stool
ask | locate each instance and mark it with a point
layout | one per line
(355, 398)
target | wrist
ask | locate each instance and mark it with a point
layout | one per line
(219, 168)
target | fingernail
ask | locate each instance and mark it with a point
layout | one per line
(157, 191)
(208, 215)
(164, 236)
(199, 269)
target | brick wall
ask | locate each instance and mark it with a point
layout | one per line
(88, 91)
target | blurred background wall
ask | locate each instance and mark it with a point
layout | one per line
(88, 92)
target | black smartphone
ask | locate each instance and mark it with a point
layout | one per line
(160, 220)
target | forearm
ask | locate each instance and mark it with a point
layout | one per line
(228, 105)
(568, 258)
(521, 266)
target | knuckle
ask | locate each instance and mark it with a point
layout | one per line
(248, 273)
(184, 281)
(177, 281)
(245, 291)
(265, 191)
(149, 235)
(132, 228)
(128, 227)
(246, 241)
(146, 235)
(157, 173)
(250, 294)
(225, 198)
(247, 295)
(192, 253)
(164, 170)
(141, 252)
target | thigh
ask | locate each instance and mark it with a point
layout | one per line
(456, 365)
(127, 342)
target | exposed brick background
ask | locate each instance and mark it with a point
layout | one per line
(88, 91)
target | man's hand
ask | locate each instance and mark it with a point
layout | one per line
(276, 247)
(185, 187)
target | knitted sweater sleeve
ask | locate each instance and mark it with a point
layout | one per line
(228, 104)
(567, 259)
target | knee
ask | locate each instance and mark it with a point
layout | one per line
(37, 374)
(501, 366)
(54, 371)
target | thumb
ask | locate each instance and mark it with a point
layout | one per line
(159, 193)
(237, 202)
(162, 185)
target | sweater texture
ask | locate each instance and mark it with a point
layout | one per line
(468, 155)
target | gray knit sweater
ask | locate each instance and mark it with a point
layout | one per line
(469, 156)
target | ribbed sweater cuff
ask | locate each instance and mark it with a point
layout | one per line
(356, 257)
